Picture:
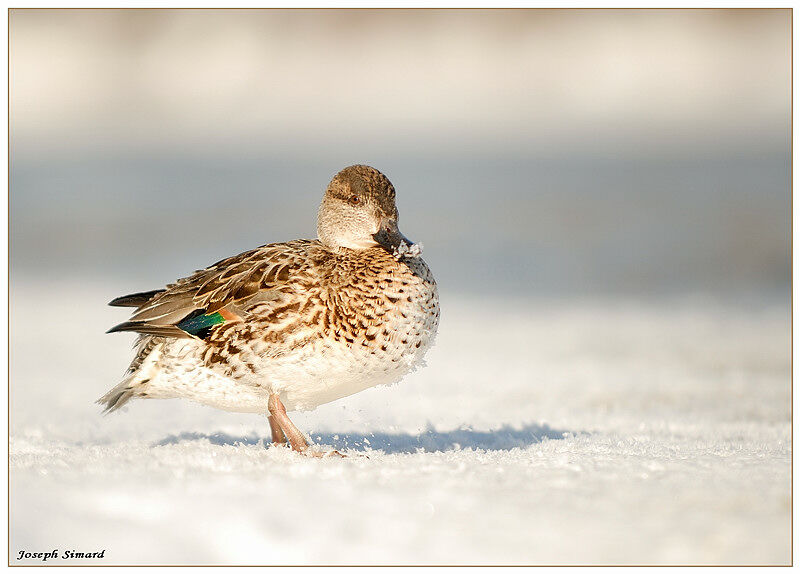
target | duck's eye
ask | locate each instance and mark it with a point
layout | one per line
(355, 200)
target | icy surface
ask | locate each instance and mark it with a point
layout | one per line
(539, 433)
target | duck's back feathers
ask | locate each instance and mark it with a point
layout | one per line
(219, 294)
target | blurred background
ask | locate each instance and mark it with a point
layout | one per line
(535, 152)
(603, 196)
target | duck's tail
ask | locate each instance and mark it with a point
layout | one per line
(141, 370)
(117, 397)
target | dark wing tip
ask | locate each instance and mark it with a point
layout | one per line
(145, 328)
(135, 299)
(126, 326)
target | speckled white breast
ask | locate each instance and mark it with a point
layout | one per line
(316, 373)
(329, 370)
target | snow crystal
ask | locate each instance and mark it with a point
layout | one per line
(406, 250)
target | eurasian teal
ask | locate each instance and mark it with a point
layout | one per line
(290, 326)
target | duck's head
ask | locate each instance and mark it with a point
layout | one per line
(359, 212)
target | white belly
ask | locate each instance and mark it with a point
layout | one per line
(326, 373)
(313, 375)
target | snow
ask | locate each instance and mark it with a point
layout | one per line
(541, 432)
(411, 251)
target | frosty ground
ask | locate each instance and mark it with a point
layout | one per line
(541, 432)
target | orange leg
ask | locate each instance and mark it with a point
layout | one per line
(279, 418)
(278, 438)
(280, 425)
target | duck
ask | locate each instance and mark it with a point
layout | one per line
(290, 326)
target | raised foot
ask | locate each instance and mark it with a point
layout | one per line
(283, 431)
(312, 451)
(323, 453)
(332, 453)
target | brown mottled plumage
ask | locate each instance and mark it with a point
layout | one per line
(290, 325)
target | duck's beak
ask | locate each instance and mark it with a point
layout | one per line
(390, 238)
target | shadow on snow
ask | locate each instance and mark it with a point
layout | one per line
(429, 440)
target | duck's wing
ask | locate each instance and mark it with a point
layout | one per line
(219, 294)
(135, 299)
